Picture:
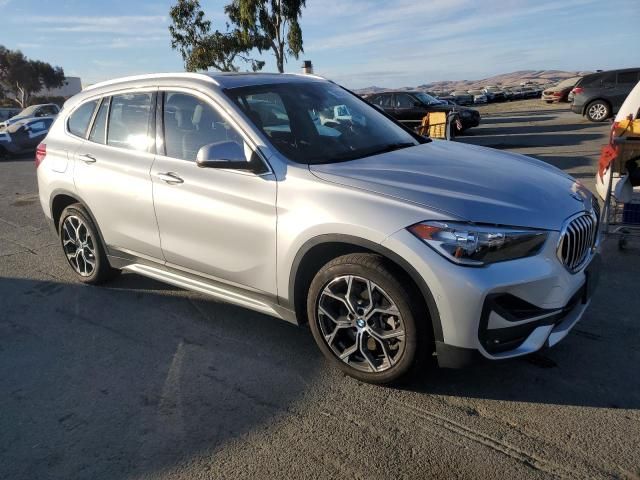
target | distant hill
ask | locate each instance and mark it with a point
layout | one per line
(542, 77)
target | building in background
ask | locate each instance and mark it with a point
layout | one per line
(72, 85)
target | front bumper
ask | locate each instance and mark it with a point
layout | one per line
(503, 310)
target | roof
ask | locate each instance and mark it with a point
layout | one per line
(234, 80)
(219, 79)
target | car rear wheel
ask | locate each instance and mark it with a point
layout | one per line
(362, 318)
(82, 246)
(598, 111)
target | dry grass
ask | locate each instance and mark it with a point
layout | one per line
(534, 104)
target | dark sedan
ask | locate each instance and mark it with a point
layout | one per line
(411, 107)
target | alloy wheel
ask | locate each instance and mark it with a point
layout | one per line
(361, 324)
(78, 246)
(598, 111)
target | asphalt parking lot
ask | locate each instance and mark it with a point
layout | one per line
(141, 380)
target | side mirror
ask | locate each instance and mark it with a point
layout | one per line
(223, 155)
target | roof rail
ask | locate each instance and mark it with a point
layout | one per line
(195, 76)
(312, 75)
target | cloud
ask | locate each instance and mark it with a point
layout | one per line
(123, 25)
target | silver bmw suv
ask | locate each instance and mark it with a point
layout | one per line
(293, 197)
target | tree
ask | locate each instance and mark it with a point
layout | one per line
(201, 49)
(20, 77)
(270, 24)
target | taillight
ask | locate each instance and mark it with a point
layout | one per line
(577, 90)
(41, 153)
(557, 94)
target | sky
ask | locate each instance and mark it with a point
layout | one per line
(358, 43)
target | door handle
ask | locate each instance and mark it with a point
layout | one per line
(87, 158)
(170, 178)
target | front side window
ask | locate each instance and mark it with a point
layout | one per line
(318, 122)
(79, 120)
(405, 101)
(129, 121)
(384, 100)
(427, 99)
(191, 123)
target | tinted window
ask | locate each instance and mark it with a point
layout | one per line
(628, 77)
(191, 123)
(324, 123)
(99, 129)
(405, 101)
(129, 121)
(48, 110)
(79, 120)
(384, 101)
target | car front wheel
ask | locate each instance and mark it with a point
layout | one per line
(362, 319)
(598, 111)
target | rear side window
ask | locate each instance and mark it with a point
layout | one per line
(630, 78)
(129, 121)
(405, 101)
(79, 120)
(99, 129)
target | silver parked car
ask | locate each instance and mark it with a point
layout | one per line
(291, 196)
(34, 111)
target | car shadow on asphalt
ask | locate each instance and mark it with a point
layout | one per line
(490, 119)
(527, 140)
(537, 129)
(115, 382)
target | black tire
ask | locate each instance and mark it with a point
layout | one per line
(94, 250)
(598, 111)
(372, 268)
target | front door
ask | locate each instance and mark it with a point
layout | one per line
(219, 223)
(407, 110)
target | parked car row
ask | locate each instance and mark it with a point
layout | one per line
(23, 136)
(599, 96)
(410, 107)
(22, 132)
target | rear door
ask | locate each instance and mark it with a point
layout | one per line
(625, 83)
(111, 173)
(218, 223)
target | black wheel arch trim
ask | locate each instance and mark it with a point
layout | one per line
(376, 248)
(67, 193)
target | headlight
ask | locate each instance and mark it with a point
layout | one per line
(476, 245)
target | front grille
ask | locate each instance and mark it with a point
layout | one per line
(577, 239)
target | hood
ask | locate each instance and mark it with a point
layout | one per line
(468, 182)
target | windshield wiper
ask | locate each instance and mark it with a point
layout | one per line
(393, 147)
(355, 155)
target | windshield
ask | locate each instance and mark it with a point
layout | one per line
(319, 122)
(426, 98)
(28, 111)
